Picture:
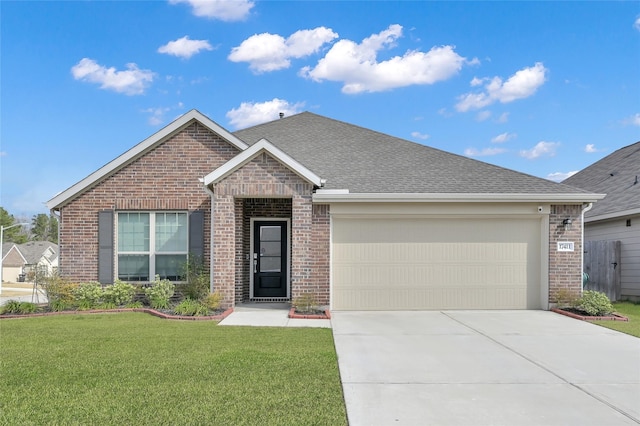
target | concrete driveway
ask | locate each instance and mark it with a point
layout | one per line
(485, 368)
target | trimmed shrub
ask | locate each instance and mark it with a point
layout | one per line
(119, 293)
(17, 307)
(87, 295)
(195, 274)
(594, 303)
(306, 303)
(213, 300)
(190, 307)
(59, 292)
(159, 293)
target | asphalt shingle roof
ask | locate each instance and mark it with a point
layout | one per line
(366, 161)
(618, 176)
(34, 250)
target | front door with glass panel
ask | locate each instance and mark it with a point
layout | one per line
(269, 258)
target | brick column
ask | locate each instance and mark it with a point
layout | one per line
(224, 224)
(565, 268)
(320, 248)
(301, 253)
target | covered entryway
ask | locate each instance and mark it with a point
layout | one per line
(404, 263)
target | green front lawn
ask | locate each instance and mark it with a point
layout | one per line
(629, 310)
(133, 368)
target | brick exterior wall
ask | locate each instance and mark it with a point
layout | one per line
(565, 268)
(165, 178)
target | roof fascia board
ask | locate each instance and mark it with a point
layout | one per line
(140, 148)
(250, 153)
(613, 215)
(452, 197)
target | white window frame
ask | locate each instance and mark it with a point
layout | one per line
(151, 253)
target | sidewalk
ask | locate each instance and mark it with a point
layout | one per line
(21, 293)
(269, 315)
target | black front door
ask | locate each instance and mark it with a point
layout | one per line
(269, 258)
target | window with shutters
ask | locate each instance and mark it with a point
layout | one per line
(150, 244)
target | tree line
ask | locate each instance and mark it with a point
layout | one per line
(42, 227)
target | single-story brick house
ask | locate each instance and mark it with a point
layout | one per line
(308, 204)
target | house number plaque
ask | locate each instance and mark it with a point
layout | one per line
(565, 246)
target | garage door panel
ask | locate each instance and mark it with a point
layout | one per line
(398, 298)
(463, 273)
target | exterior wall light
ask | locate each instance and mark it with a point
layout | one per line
(567, 223)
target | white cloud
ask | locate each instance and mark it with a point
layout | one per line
(473, 152)
(224, 10)
(421, 136)
(269, 52)
(132, 81)
(356, 65)
(520, 85)
(636, 24)
(590, 148)
(3, 153)
(184, 47)
(483, 115)
(504, 117)
(560, 176)
(250, 113)
(634, 120)
(157, 115)
(503, 137)
(542, 149)
(476, 81)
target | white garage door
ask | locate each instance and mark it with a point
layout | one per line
(459, 263)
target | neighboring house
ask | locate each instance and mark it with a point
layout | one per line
(19, 259)
(13, 262)
(308, 204)
(44, 254)
(617, 216)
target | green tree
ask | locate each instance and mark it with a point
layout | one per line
(44, 228)
(13, 235)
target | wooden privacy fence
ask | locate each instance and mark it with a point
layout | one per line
(602, 263)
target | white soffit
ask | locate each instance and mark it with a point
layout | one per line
(250, 153)
(140, 148)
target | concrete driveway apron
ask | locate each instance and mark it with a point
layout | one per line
(485, 368)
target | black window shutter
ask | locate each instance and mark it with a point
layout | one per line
(196, 233)
(105, 247)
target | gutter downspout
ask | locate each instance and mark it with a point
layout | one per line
(585, 209)
(211, 263)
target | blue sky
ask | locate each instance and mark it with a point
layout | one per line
(545, 88)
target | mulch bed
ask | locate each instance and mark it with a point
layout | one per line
(309, 315)
(577, 314)
(218, 316)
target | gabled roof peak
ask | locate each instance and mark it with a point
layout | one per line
(158, 137)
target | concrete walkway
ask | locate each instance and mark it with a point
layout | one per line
(485, 368)
(269, 315)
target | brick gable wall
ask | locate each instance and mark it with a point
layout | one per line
(165, 178)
